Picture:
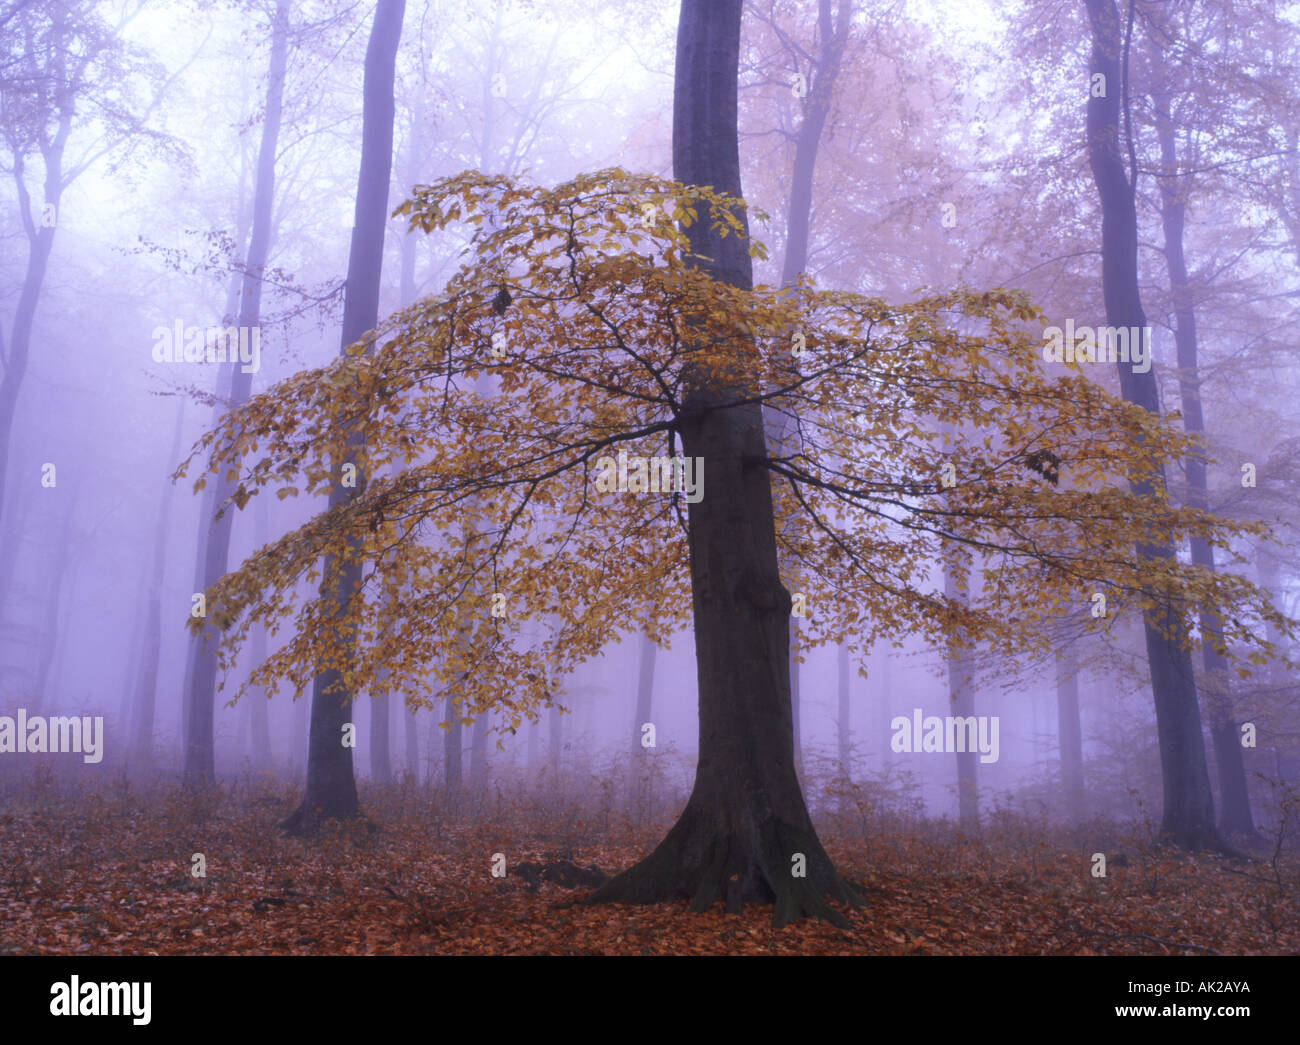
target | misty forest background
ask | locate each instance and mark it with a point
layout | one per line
(237, 163)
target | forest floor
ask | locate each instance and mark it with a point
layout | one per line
(113, 873)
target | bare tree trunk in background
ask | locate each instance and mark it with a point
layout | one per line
(17, 508)
(381, 760)
(412, 734)
(961, 695)
(406, 296)
(556, 722)
(478, 768)
(40, 241)
(214, 547)
(331, 791)
(647, 655)
(1069, 734)
(207, 506)
(534, 744)
(1234, 815)
(381, 764)
(140, 612)
(146, 682)
(884, 715)
(53, 603)
(1276, 677)
(832, 34)
(258, 710)
(842, 727)
(452, 748)
(1188, 818)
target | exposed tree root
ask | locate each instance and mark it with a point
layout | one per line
(701, 863)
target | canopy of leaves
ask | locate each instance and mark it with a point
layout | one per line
(579, 326)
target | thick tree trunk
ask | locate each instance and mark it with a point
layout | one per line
(745, 834)
(1235, 816)
(796, 677)
(1070, 737)
(1188, 818)
(331, 786)
(214, 554)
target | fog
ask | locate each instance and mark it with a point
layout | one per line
(939, 148)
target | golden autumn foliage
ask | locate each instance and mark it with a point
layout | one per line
(574, 329)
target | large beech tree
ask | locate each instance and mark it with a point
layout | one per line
(615, 312)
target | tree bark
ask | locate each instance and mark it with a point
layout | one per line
(884, 714)
(1188, 818)
(146, 681)
(40, 242)
(412, 735)
(452, 748)
(745, 831)
(1235, 815)
(299, 731)
(214, 550)
(381, 763)
(961, 695)
(645, 687)
(50, 630)
(556, 727)
(478, 768)
(406, 296)
(331, 791)
(639, 764)
(259, 716)
(1070, 737)
(833, 33)
(843, 709)
(12, 536)
(127, 704)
